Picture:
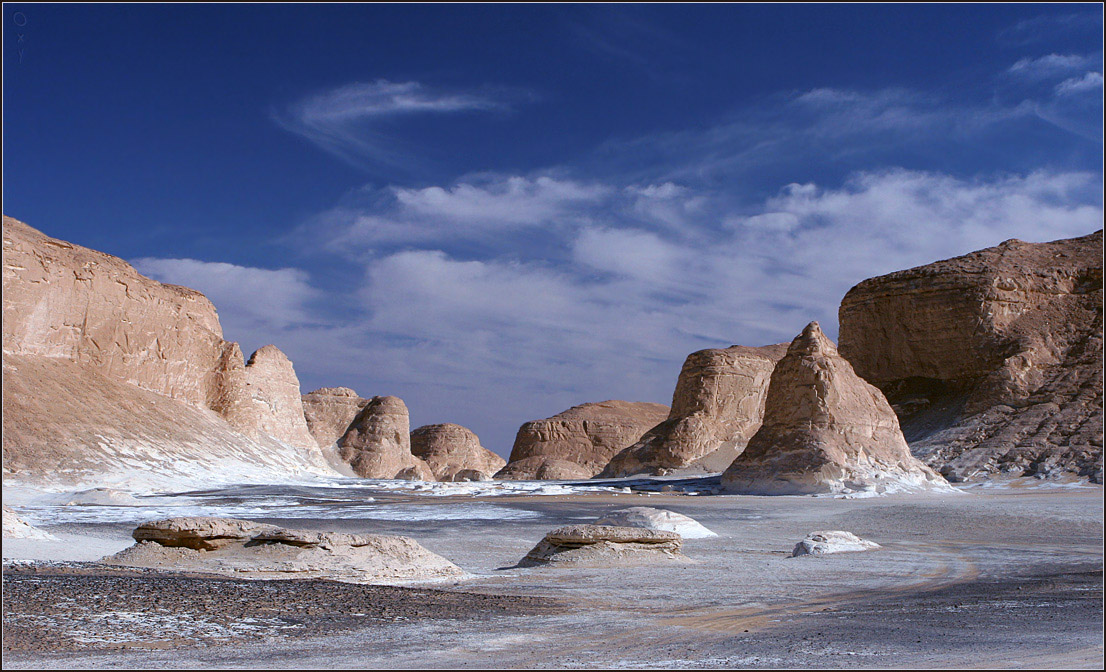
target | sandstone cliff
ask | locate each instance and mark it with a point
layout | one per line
(378, 443)
(454, 453)
(716, 408)
(121, 344)
(825, 430)
(993, 360)
(579, 442)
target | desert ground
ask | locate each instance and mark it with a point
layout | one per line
(998, 575)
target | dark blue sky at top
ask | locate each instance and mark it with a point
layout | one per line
(143, 129)
(610, 186)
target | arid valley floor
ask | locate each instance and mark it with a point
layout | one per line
(990, 576)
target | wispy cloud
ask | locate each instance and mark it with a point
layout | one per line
(347, 121)
(1048, 27)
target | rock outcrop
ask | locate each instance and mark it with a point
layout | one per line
(605, 545)
(656, 519)
(993, 360)
(825, 430)
(330, 411)
(832, 541)
(90, 323)
(242, 548)
(17, 528)
(378, 443)
(454, 453)
(716, 408)
(579, 442)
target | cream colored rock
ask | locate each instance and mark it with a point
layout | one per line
(201, 533)
(605, 545)
(452, 450)
(378, 443)
(716, 408)
(247, 550)
(586, 436)
(825, 430)
(656, 519)
(993, 360)
(106, 370)
(330, 411)
(832, 541)
(275, 390)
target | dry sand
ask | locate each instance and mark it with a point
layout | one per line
(1004, 577)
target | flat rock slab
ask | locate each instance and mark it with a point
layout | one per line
(605, 545)
(251, 550)
(832, 541)
(657, 519)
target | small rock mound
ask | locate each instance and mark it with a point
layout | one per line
(656, 519)
(17, 528)
(605, 545)
(825, 430)
(832, 541)
(243, 548)
(451, 449)
(101, 497)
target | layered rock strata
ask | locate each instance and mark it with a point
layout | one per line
(377, 443)
(825, 430)
(716, 407)
(992, 360)
(605, 545)
(454, 453)
(656, 519)
(579, 442)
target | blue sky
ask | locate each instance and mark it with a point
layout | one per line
(496, 212)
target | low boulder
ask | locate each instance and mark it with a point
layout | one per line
(605, 545)
(242, 548)
(832, 541)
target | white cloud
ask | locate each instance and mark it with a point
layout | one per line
(344, 121)
(1052, 65)
(1090, 81)
(255, 305)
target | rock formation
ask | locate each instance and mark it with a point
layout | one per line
(330, 411)
(105, 369)
(993, 360)
(656, 519)
(604, 545)
(378, 443)
(242, 548)
(579, 442)
(17, 528)
(275, 390)
(825, 430)
(832, 541)
(717, 406)
(454, 453)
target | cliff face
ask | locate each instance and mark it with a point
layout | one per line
(378, 443)
(579, 442)
(330, 411)
(454, 453)
(993, 360)
(72, 309)
(717, 406)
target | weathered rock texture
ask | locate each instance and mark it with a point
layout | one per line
(605, 545)
(330, 411)
(17, 528)
(825, 430)
(832, 541)
(104, 367)
(579, 442)
(656, 519)
(716, 408)
(242, 548)
(378, 443)
(454, 453)
(993, 360)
